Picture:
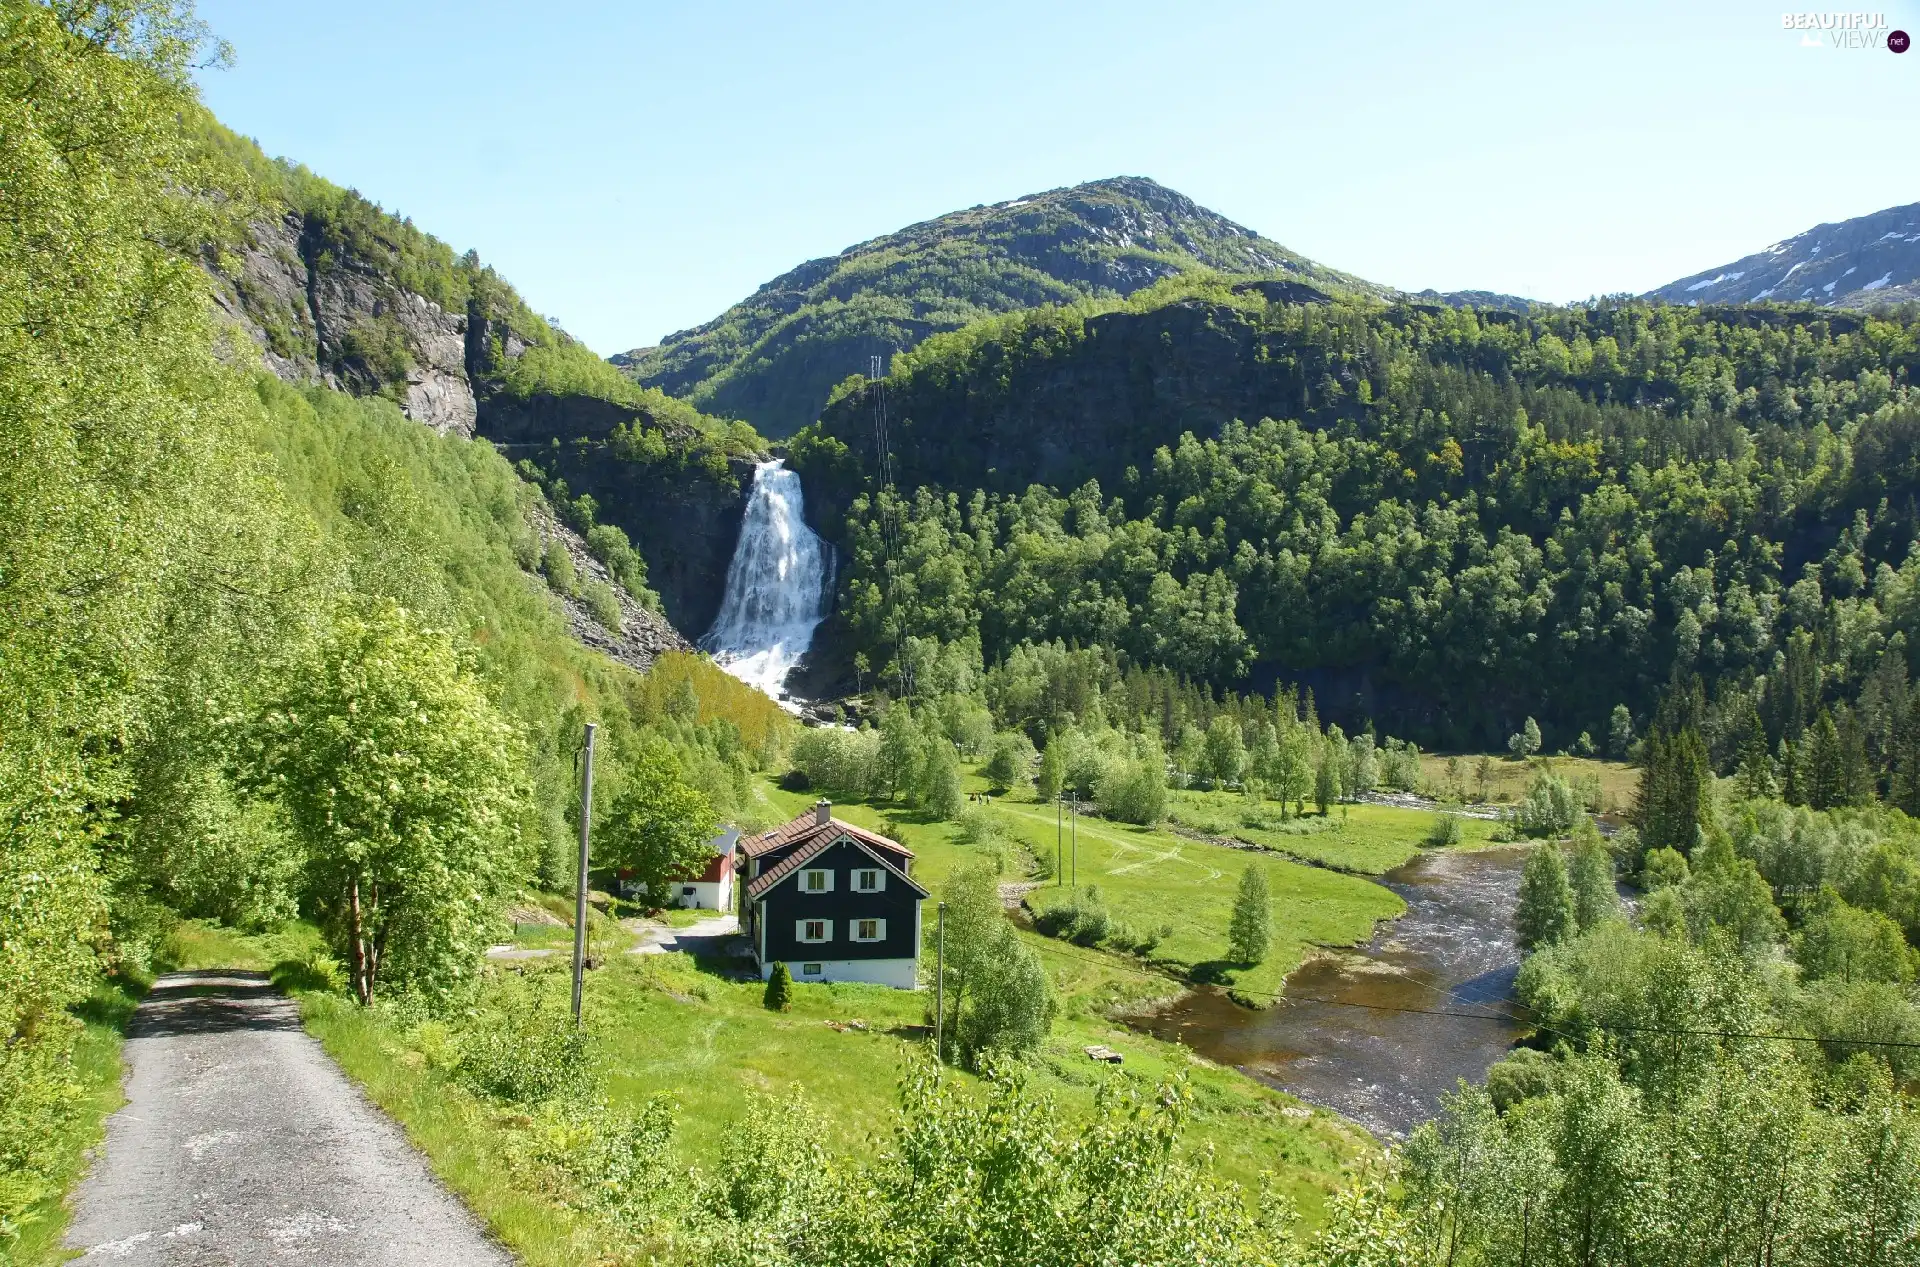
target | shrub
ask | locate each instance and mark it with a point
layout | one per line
(1663, 868)
(1082, 919)
(557, 564)
(979, 825)
(1010, 762)
(779, 996)
(1550, 808)
(523, 1053)
(1134, 790)
(601, 604)
(838, 762)
(1444, 832)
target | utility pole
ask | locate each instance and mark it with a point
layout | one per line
(1059, 838)
(1076, 841)
(939, 981)
(580, 889)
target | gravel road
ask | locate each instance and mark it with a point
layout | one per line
(243, 1143)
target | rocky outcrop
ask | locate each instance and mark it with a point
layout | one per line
(643, 635)
(320, 314)
(683, 519)
(320, 318)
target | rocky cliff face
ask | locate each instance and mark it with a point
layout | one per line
(685, 521)
(321, 314)
(322, 318)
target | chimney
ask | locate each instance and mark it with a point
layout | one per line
(822, 812)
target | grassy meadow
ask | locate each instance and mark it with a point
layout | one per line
(697, 1033)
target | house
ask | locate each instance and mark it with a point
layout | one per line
(710, 889)
(832, 901)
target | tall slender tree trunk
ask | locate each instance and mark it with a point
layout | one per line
(362, 985)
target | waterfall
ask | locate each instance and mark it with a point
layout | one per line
(776, 585)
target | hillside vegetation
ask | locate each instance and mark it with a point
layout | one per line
(193, 553)
(773, 357)
(1442, 519)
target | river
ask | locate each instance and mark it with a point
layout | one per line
(1356, 1032)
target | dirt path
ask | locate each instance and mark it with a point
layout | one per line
(242, 1142)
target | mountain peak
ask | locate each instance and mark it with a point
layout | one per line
(774, 357)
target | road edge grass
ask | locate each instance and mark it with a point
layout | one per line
(100, 1073)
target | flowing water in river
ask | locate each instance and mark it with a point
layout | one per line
(1356, 1033)
(776, 591)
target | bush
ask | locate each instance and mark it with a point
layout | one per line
(558, 566)
(1010, 763)
(1524, 1075)
(838, 762)
(1134, 790)
(779, 995)
(523, 1053)
(1082, 919)
(979, 825)
(1550, 808)
(1444, 832)
(1664, 867)
(601, 603)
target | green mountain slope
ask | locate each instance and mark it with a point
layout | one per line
(338, 292)
(1445, 520)
(774, 357)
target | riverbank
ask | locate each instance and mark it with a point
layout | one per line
(1379, 1034)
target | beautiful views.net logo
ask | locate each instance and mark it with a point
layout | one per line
(1845, 30)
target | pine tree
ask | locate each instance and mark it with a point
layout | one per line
(1756, 767)
(779, 996)
(1858, 784)
(1904, 759)
(1672, 798)
(1825, 783)
(1250, 932)
(1546, 912)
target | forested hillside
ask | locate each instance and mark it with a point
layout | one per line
(1444, 520)
(208, 575)
(773, 357)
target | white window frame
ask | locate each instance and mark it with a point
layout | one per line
(826, 883)
(811, 969)
(879, 875)
(800, 931)
(880, 927)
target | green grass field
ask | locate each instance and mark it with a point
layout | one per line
(666, 1024)
(1363, 839)
(1457, 776)
(698, 1034)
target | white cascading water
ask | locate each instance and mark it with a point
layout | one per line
(776, 585)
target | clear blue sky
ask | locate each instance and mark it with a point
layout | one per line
(634, 168)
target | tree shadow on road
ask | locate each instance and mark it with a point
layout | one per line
(213, 1002)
